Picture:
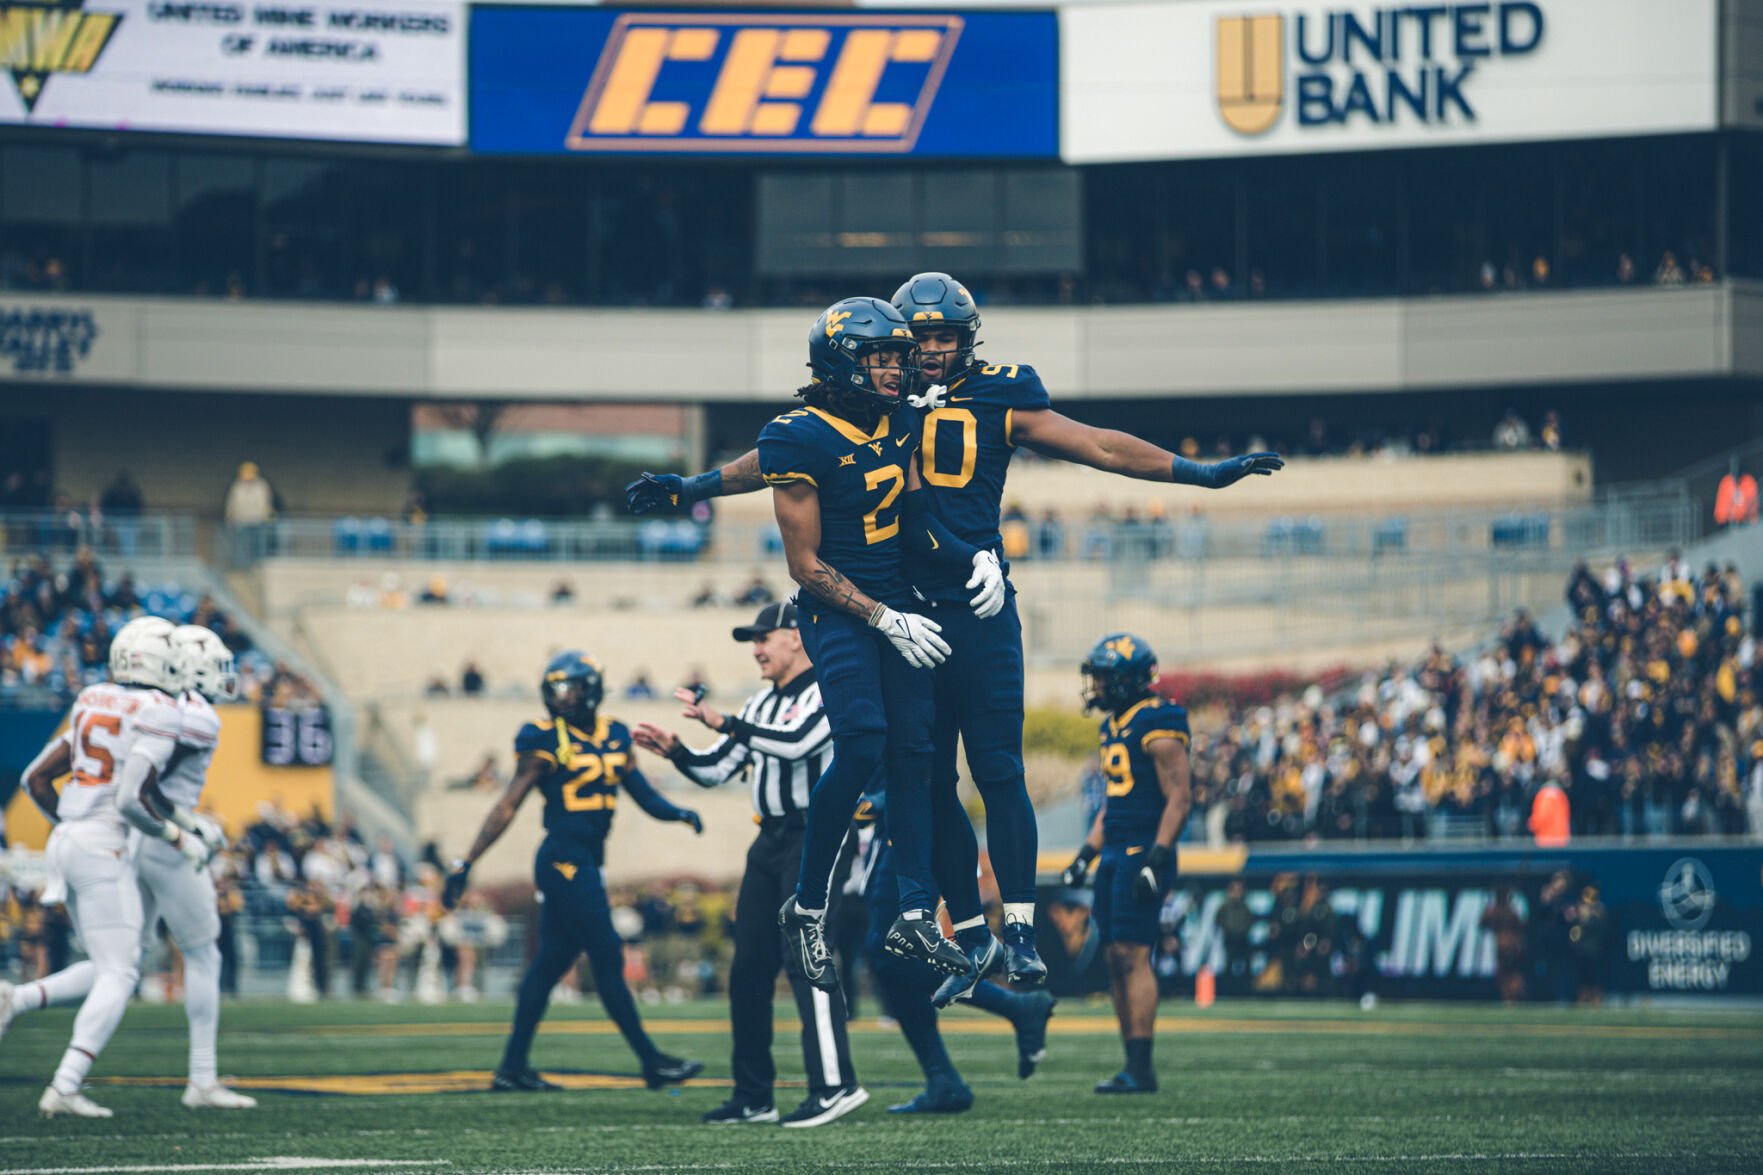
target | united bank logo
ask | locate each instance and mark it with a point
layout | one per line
(38, 41)
(1364, 67)
(762, 82)
(40, 341)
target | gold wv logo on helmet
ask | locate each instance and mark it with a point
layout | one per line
(835, 321)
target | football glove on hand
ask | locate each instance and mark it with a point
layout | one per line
(687, 816)
(195, 850)
(1147, 883)
(655, 492)
(1078, 871)
(912, 636)
(931, 397)
(1227, 472)
(458, 877)
(988, 577)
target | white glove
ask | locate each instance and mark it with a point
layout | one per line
(212, 834)
(195, 850)
(988, 577)
(931, 397)
(912, 636)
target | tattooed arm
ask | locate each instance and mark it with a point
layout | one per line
(798, 516)
(741, 476)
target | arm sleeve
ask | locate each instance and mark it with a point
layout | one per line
(637, 785)
(800, 736)
(716, 764)
(927, 538)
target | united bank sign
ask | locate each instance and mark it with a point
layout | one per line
(1158, 80)
(1377, 67)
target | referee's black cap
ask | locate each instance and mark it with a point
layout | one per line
(773, 616)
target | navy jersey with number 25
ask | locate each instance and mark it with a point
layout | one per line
(1134, 793)
(587, 768)
(860, 478)
(964, 457)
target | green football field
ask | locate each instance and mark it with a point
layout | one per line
(1246, 1087)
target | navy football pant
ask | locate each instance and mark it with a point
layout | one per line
(880, 710)
(574, 917)
(979, 698)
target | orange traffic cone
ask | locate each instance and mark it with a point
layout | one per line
(1205, 988)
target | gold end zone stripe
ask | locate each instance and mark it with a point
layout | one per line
(1190, 860)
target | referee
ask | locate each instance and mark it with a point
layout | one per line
(782, 739)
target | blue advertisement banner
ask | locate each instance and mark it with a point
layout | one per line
(597, 80)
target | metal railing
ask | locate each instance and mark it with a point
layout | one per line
(112, 536)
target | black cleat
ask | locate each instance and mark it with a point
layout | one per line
(526, 1081)
(1124, 1082)
(819, 1109)
(1022, 963)
(805, 953)
(1031, 1033)
(735, 1112)
(982, 960)
(666, 1070)
(922, 939)
(937, 1099)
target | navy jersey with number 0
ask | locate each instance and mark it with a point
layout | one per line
(1134, 793)
(964, 456)
(860, 478)
(586, 769)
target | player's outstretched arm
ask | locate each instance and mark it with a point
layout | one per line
(638, 787)
(1113, 451)
(1171, 757)
(527, 772)
(51, 763)
(797, 505)
(669, 491)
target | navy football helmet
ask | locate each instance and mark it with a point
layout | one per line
(572, 687)
(938, 300)
(1118, 672)
(846, 334)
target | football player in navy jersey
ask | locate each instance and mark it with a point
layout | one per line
(970, 430)
(1145, 768)
(845, 492)
(578, 759)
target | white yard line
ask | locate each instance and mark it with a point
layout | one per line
(274, 1163)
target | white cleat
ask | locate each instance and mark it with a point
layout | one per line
(55, 1104)
(216, 1097)
(6, 1012)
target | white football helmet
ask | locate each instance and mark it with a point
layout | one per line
(141, 653)
(206, 662)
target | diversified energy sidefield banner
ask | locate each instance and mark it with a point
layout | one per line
(1684, 920)
(721, 81)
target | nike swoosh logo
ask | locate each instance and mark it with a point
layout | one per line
(1135, 850)
(900, 441)
(959, 399)
(934, 545)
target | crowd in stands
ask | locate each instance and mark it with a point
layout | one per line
(57, 617)
(1644, 719)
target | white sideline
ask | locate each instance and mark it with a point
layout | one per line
(273, 1163)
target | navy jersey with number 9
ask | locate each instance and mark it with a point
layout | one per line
(1134, 793)
(860, 478)
(964, 457)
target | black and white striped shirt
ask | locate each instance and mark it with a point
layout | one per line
(782, 734)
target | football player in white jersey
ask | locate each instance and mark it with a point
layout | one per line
(121, 736)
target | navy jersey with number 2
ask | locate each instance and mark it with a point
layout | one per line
(860, 478)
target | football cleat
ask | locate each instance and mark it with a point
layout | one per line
(819, 1109)
(1125, 1082)
(938, 1099)
(805, 952)
(216, 1097)
(55, 1104)
(6, 1012)
(1022, 963)
(982, 959)
(922, 939)
(1031, 1032)
(526, 1081)
(666, 1070)
(735, 1112)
